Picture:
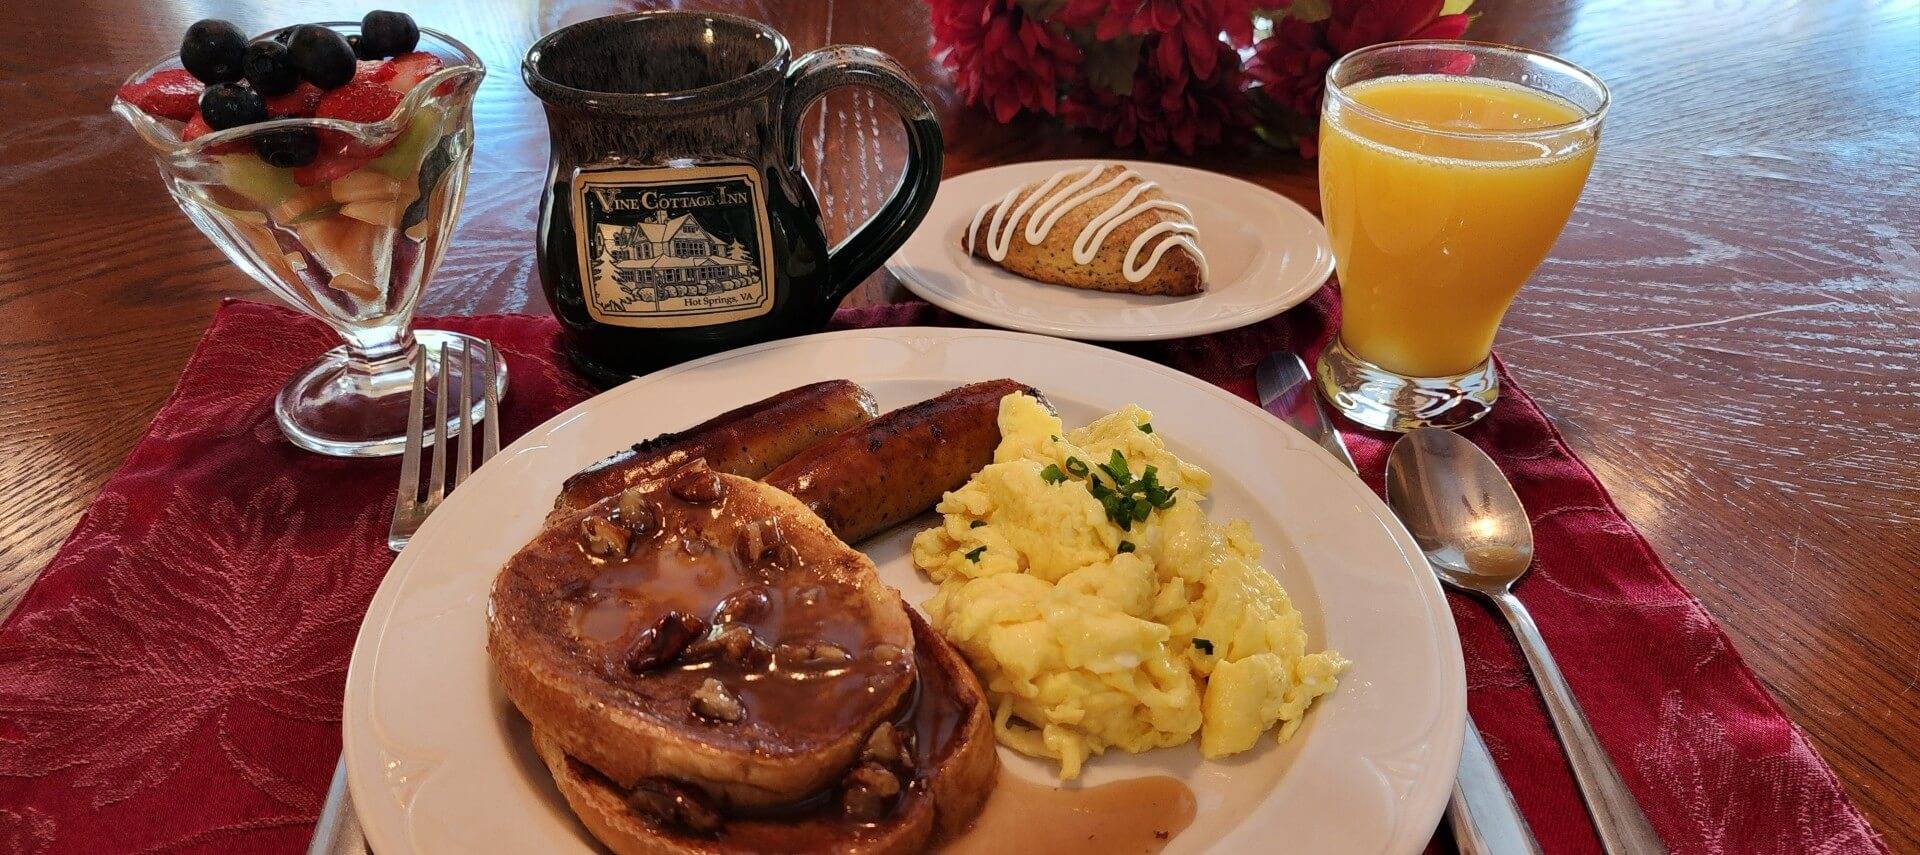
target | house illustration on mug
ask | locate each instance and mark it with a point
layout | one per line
(666, 257)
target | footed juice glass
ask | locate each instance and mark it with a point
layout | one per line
(351, 241)
(1447, 170)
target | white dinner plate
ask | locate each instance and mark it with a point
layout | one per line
(439, 761)
(1265, 254)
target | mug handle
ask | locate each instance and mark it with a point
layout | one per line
(833, 66)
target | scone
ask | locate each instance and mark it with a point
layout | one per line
(1102, 228)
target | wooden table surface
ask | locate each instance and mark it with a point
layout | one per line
(1728, 332)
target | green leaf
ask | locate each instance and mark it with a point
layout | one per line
(1042, 9)
(1125, 547)
(1110, 64)
(1146, 427)
(1076, 467)
(1310, 10)
(1204, 645)
(1455, 7)
(1052, 474)
(974, 556)
(976, 523)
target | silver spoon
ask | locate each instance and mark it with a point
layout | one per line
(1458, 505)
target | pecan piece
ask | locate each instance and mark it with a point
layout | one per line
(759, 541)
(637, 512)
(662, 643)
(674, 804)
(812, 653)
(750, 603)
(604, 537)
(712, 701)
(890, 745)
(731, 643)
(697, 484)
(868, 792)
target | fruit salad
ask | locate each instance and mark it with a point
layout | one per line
(335, 154)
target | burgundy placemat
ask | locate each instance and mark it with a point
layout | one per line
(173, 680)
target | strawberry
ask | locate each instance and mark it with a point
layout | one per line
(364, 70)
(170, 94)
(326, 167)
(355, 102)
(402, 73)
(197, 127)
(301, 102)
(358, 102)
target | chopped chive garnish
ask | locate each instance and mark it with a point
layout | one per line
(1125, 547)
(1146, 427)
(1125, 498)
(1204, 646)
(976, 523)
(974, 554)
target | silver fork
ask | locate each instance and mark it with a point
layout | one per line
(338, 831)
(410, 507)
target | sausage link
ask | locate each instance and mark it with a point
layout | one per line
(747, 441)
(877, 475)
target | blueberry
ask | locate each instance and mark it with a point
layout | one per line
(230, 105)
(270, 70)
(322, 55)
(214, 51)
(287, 148)
(285, 35)
(384, 34)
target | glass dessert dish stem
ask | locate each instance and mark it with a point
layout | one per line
(330, 406)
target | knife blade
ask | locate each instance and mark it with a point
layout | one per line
(1481, 812)
(1286, 390)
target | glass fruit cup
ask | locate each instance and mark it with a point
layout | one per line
(1447, 170)
(350, 240)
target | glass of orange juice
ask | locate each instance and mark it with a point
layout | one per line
(1447, 170)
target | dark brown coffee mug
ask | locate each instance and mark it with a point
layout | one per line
(676, 221)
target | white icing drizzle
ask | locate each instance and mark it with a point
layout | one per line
(1044, 207)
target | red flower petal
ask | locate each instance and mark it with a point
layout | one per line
(1199, 45)
(1446, 27)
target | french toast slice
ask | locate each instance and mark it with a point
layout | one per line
(702, 627)
(946, 771)
(1180, 270)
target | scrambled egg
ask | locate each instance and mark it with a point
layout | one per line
(1090, 634)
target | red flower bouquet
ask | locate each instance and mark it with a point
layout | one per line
(1164, 74)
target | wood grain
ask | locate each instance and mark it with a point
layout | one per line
(1729, 331)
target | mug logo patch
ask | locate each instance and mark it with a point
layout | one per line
(673, 247)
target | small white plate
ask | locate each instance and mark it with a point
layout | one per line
(439, 761)
(1265, 253)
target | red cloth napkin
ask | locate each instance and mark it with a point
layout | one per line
(173, 680)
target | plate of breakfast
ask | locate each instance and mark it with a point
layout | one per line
(1113, 250)
(904, 589)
